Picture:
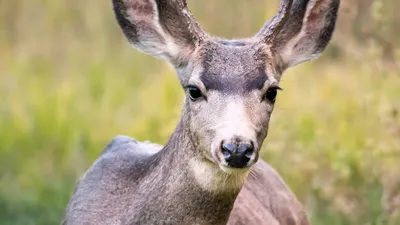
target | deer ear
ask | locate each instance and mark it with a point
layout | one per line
(164, 29)
(306, 32)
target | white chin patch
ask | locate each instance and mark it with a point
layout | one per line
(217, 178)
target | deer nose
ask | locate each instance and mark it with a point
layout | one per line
(237, 154)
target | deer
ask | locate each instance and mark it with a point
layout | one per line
(209, 171)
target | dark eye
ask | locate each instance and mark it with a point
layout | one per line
(194, 93)
(272, 93)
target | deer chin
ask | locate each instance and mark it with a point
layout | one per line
(216, 177)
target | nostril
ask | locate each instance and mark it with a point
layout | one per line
(249, 152)
(227, 150)
(227, 154)
(246, 149)
(231, 148)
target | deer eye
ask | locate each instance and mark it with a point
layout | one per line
(194, 93)
(272, 93)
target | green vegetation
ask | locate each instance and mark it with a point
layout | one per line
(69, 82)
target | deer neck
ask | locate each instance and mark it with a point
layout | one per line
(191, 178)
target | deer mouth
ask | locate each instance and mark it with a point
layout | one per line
(233, 170)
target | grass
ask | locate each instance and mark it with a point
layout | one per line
(69, 82)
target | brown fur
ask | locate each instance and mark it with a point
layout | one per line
(188, 180)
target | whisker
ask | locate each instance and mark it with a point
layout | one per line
(253, 174)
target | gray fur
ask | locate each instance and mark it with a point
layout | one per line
(116, 189)
(103, 196)
(226, 68)
(187, 181)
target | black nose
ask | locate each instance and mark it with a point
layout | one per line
(237, 154)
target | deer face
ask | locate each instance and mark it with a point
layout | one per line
(230, 86)
(230, 94)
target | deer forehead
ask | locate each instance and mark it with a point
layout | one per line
(234, 66)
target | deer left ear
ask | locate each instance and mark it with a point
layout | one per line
(164, 29)
(306, 32)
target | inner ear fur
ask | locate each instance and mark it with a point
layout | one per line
(164, 29)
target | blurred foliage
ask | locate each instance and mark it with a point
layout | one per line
(69, 82)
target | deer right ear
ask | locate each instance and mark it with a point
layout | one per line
(301, 30)
(162, 28)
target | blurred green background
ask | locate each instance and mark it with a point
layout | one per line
(69, 82)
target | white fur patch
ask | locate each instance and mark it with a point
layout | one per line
(171, 48)
(212, 177)
(166, 49)
(235, 122)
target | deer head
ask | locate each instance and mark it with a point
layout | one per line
(231, 85)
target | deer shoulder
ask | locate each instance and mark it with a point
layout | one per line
(97, 195)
